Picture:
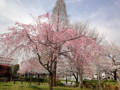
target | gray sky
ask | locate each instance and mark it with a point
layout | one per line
(102, 14)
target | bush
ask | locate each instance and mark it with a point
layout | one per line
(105, 84)
(4, 71)
(59, 83)
(91, 84)
(3, 79)
(76, 85)
(27, 79)
(14, 69)
(46, 79)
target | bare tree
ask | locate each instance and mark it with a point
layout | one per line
(94, 34)
(83, 28)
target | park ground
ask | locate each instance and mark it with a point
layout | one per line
(88, 85)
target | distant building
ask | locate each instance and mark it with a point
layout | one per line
(6, 61)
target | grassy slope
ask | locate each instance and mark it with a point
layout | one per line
(25, 86)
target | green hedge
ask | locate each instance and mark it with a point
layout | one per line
(105, 84)
(4, 71)
(76, 85)
(35, 79)
(59, 83)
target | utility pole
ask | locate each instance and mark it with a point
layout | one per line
(98, 75)
(118, 79)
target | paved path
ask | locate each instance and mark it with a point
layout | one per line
(68, 83)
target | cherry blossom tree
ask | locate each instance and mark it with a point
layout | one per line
(112, 52)
(83, 53)
(41, 40)
(31, 66)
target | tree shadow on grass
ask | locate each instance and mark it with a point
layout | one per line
(38, 88)
(4, 88)
(6, 85)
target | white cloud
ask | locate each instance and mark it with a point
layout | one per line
(14, 10)
(106, 23)
(110, 33)
(2, 4)
(117, 3)
(74, 1)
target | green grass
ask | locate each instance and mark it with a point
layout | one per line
(68, 88)
(26, 86)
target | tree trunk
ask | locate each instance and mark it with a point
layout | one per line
(31, 79)
(39, 83)
(81, 81)
(115, 75)
(21, 81)
(66, 79)
(54, 79)
(14, 81)
(76, 77)
(11, 79)
(54, 74)
(51, 82)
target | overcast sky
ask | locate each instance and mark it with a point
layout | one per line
(102, 14)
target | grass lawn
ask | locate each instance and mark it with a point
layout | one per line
(25, 86)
